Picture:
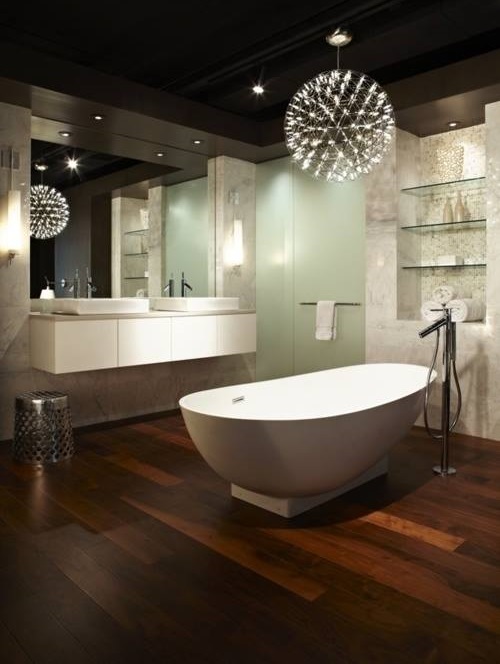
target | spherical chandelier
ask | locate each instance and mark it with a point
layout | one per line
(49, 212)
(339, 124)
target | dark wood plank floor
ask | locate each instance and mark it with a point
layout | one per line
(134, 551)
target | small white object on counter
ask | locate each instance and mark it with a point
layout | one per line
(47, 294)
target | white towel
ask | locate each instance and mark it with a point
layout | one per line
(326, 320)
(427, 310)
(466, 310)
(444, 294)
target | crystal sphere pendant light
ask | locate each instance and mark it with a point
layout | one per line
(339, 124)
(49, 212)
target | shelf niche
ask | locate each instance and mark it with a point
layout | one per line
(426, 232)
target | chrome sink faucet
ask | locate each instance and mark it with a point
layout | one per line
(72, 287)
(90, 286)
(184, 286)
(169, 288)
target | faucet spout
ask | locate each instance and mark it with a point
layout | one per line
(435, 325)
(184, 286)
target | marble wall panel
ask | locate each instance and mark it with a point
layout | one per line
(391, 340)
(232, 196)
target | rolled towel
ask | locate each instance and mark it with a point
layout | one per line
(466, 310)
(444, 294)
(427, 310)
(326, 320)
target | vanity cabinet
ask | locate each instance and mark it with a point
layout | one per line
(59, 345)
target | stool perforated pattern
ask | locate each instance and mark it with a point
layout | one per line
(42, 428)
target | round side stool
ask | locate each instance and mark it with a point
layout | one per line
(42, 428)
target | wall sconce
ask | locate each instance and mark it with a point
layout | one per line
(13, 223)
(234, 248)
(11, 210)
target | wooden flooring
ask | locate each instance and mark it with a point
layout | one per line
(134, 551)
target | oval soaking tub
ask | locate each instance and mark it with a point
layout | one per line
(292, 443)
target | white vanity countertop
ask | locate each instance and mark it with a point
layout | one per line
(146, 314)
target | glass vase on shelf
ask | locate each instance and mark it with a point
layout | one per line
(459, 213)
(447, 212)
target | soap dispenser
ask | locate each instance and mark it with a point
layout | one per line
(47, 292)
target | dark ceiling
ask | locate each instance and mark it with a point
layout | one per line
(213, 52)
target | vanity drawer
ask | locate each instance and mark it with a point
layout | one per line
(63, 347)
(193, 337)
(144, 341)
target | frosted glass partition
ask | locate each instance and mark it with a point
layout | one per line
(310, 246)
(187, 235)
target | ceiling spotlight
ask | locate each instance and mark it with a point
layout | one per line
(98, 117)
(340, 37)
(40, 167)
(197, 141)
(258, 89)
(160, 154)
(72, 163)
(64, 134)
(453, 124)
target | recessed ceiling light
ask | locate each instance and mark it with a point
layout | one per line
(258, 89)
(40, 167)
(197, 141)
(98, 117)
(160, 154)
(72, 163)
(453, 124)
(64, 133)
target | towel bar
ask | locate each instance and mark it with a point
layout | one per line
(338, 304)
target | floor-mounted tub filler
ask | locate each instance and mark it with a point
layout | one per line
(290, 444)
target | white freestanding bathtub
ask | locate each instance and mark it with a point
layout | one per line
(292, 443)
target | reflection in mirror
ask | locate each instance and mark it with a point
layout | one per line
(132, 224)
(160, 233)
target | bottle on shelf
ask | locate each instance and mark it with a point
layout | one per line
(459, 214)
(447, 212)
(467, 212)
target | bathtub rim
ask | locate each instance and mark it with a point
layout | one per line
(297, 418)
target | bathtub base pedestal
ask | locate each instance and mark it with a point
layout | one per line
(290, 507)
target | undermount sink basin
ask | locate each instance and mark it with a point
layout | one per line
(195, 303)
(98, 305)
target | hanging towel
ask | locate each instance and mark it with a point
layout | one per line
(326, 323)
(466, 310)
(427, 310)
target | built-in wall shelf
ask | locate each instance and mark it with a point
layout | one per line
(442, 240)
(451, 226)
(437, 188)
(442, 267)
(141, 253)
(127, 278)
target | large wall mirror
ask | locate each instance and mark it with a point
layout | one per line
(134, 226)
